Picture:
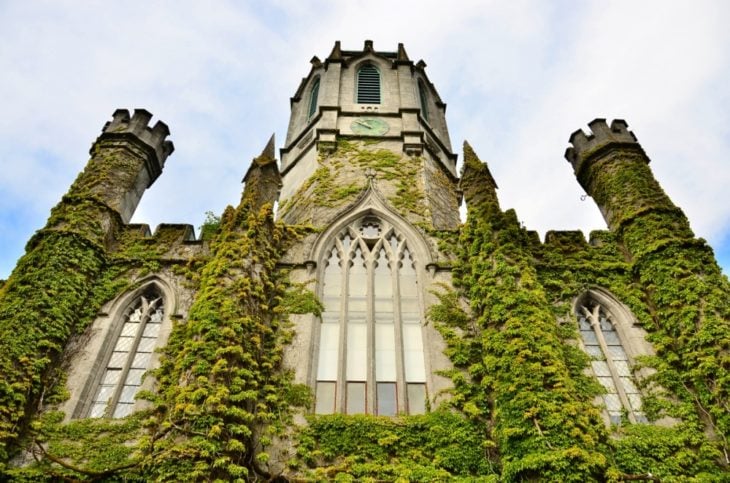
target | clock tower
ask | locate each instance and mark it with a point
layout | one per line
(365, 119)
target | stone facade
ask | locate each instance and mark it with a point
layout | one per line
(366, 333)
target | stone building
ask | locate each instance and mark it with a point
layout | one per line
(366, 333)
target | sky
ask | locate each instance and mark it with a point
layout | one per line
(518, 78)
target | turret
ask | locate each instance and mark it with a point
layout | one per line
(614, 170)
(126, 159)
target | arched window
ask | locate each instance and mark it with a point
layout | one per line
(423, 96)
(368, 85)
(314, 93)
(371, 356)
(129, 357)
(609, 360)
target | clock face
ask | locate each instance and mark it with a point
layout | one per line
(369, 126)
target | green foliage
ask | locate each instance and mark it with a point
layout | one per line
(298, 299)
(431, 447)
(210, 227)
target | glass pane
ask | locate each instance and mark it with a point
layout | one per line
(329, 344)
(331, 289)
(357, 352)
(613, 403)
(128, 393)
(584, 324)
(134, 377)
(600, 368)
(413, 353)
(130, 329)
(385, 352)
(111, 377)
(104, 394)
(151, 330)
(635, 401)
(622, 367)
(416, 398)
(615, 417)
(606, 326)
(325, 402)
(607, 382)
(617, 353)
(124, 344)
(387, 405)
(595, 352)
(589, 338)
(628, 385)
(357, 284)
(136, 316)
(141, 360)
(146, 344)
(356, 398)
(117, 360)
(156, 316)
(123, 409)
(611, 338)
(97, 410)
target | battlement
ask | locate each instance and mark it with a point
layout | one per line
(584, 146)
(138, 125)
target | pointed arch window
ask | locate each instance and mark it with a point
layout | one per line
(609, 361)
(368, 85)
(371, 357)
(423, 96)
(130, 357)
(314, 94)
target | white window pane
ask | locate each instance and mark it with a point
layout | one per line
(387, 405)
(615, 417)
(595, 352)
(416, 398)
(104, 394)
(607, 382)
(613, 403)
(130, 329)
(111, 377)
(325, 402)
(146, 344)
(600, 368)
(589, 338)
(97, 410)
(628, 385)
(123, 409)
(127, 395)
(356, 398)
(134, 377)
(384, 305)
(124, 344)
(357, 352)
(151, 330)
(329, 344)
(411, 319)
(413, 353)
(584, 324)
(611, 338)
(156, 316)
(617, 353)
(409, 305)
(385, 352)
(136, 316)
(622, 367)
(141, 360)
(117, 360)
(606, 326)
(635, 401)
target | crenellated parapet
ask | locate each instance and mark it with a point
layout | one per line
(136, 127)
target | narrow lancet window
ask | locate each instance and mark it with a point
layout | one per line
(423, 96)
(314, 94)
(610, 363)
(130, 358)
(371, 323)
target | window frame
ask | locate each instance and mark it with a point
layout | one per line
(591, 305)
(359, 85)
(402, 382)
(423, 98)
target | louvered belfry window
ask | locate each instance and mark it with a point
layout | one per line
(130, 358)
(368, 85)
(371, 354)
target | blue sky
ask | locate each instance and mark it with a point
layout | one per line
(518, 78)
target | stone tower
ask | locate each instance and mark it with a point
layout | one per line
(362, 332)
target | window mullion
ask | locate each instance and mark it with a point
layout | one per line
(370, 390)
(398, 321)
(594, 318)
(341, 384)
